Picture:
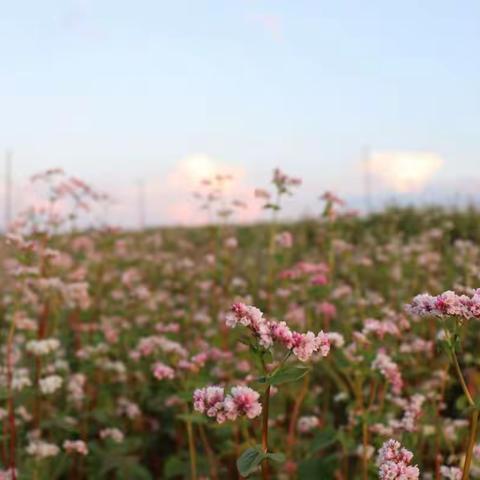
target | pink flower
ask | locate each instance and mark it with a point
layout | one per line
(283, 181)
(307, 423)
(284, 239)
(451, 473)
(447, 303)
(251, 317)
(306, 344)
(332, 198)
(336, 339)
(389, 369)
(380, 328)
(316, 271)
(394, 462)
(161, 371)
(260, 193)
(303, 345)
(323, 343)
(413, 412)
(319, 279)
(242, 401)
(281, 333)
(231, 243)
(75, 446)
(328, 309)
(245, 314)
(209, 400)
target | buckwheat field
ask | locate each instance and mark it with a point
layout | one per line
(338, 347)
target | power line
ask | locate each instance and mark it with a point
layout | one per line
(8, 189)
(141, 204)
(367, 179)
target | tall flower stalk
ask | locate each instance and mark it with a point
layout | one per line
(266, 335)
(458, 308)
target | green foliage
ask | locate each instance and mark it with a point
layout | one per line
(285, 374)
(250, 459)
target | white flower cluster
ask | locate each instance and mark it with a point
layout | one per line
(114, 433)
(42, 347)
(307, 423)
(41, 449)
(50, 384)
(76, 388)
(20, 378)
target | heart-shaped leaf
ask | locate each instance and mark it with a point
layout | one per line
(288, 373)
(249, 460)
(276, 457)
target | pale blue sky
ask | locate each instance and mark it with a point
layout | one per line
(115, 90)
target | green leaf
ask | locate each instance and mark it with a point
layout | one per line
(249, 460)
(288, 373)
(192, 417)
(315, 468)
(324, 439)
(187, 396)
(175, 467)
(278, 457)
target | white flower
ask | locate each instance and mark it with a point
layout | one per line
(114, 433)
(50, 384)
(41, 449)
(42, 347)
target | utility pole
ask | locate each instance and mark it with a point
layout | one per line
(8, 189)
(141, 203)
(367, 179)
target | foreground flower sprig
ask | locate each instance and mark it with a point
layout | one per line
(394, 462)
(447, 304)
(459, 307)
(269, 332)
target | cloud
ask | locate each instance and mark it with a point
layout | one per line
(169, 199)
(186, 178)
(189, 172)
(403, 172)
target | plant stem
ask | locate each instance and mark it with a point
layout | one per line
(11, 404)
(266, 403)
(364, 450)
(295, 412)
(209, 452)
(192, 452)
(471, 443)
(474, 417)
(462, 379)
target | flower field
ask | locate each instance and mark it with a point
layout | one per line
(320, 349)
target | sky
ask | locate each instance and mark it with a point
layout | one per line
(119, 92)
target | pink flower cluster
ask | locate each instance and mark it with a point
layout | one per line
(447, 303)
(75, 446)
(283, 181)
(413, 411)
(389, 369)
(161, 371)
(317, 272)
(380, 328)
(284, 239)
(451, 473)
(303, 345)
(213, 402)
(330, 197)
(394, 462)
